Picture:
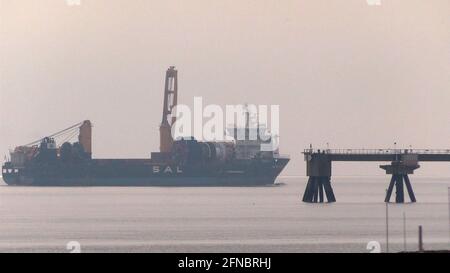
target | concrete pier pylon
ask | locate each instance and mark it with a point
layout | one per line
(400, 171)
(319, 182)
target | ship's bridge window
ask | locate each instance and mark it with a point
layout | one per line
(4, 171)
(16, 170)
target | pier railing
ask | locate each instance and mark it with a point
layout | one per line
(377, 151)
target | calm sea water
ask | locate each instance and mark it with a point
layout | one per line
(220, 219)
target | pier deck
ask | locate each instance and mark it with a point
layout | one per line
(402, 163)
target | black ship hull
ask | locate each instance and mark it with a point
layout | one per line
(124, 173)
(143, 182)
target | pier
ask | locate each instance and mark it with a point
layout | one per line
(403, 162)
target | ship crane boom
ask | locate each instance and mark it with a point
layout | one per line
(84, 131)
(168, 117)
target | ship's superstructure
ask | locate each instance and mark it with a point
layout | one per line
(181, 162)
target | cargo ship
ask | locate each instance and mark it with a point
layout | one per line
(180, 162)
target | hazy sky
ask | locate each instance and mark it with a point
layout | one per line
(343, 72)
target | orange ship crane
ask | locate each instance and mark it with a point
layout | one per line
(168, 117)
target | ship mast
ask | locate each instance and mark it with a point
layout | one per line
(168, 117)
